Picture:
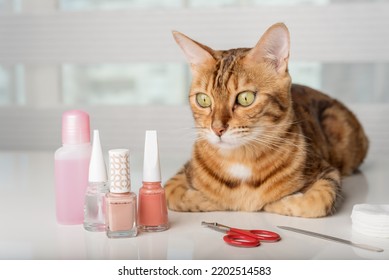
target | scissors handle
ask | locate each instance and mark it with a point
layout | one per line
(266, 236)
(249, 238)
(241, 240)
(262, 235)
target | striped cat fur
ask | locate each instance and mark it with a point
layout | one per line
(263, 143)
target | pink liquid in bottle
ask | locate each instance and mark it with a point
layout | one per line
(71, 178)
(72, 167)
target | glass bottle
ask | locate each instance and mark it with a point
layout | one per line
(121, 202)
(94, 207)
(152, 211)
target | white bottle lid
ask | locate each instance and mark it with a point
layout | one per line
(151, 167)
(97, 169)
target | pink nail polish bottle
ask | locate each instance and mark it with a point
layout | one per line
(152, 211)
(72, 167)
(121, 202)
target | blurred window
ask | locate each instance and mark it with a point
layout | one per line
(165, 82)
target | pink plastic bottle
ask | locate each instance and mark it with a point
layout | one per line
(72, 168)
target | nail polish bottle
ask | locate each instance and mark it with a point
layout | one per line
(94, 207)
(121, 202)
(152, 211)
(72, 167)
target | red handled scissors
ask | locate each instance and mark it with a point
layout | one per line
(242, 237)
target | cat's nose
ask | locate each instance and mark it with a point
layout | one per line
(220, 130)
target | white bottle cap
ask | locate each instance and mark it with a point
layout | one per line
(97, 169)
(151, 168)
(119, 171)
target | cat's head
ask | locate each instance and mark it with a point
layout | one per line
(239, 96)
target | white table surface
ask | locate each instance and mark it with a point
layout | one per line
(29, 228)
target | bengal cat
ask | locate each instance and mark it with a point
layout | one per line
(262, 142)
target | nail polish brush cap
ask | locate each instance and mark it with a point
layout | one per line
(75, 127)
(119, 171)
(97, 169)
(151, 167)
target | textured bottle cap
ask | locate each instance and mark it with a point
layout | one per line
(119, 171)
(75, 127)
(97, 169)
(151, 167)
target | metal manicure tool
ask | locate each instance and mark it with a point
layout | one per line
(332, 238)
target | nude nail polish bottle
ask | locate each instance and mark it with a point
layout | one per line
(121, 202)
(152, 211)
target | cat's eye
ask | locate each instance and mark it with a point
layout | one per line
(203, 100)
(245, 98)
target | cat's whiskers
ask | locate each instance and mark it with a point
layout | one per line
(286, 144)
(253, 144)
(201, 134)
(185, 133)
(275, 142)
(279, 140)
(276, 137)
(253, 137)
(282, 126)
(253, 140)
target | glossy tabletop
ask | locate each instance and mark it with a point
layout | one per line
(29, 228)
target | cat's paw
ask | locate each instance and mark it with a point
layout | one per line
(296, 205)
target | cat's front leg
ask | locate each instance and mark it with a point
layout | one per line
(317, 200)
(181, 197)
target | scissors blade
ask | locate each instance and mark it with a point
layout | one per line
(215, 226)
(332, 238)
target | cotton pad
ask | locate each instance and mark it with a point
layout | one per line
(371, 219)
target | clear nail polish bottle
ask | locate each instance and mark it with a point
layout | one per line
(152, 212)
(94, 208)
(121, 202)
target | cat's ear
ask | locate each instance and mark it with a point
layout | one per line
(274, 47)
(196, 53)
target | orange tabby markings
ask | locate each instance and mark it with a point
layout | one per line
(282, 151)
